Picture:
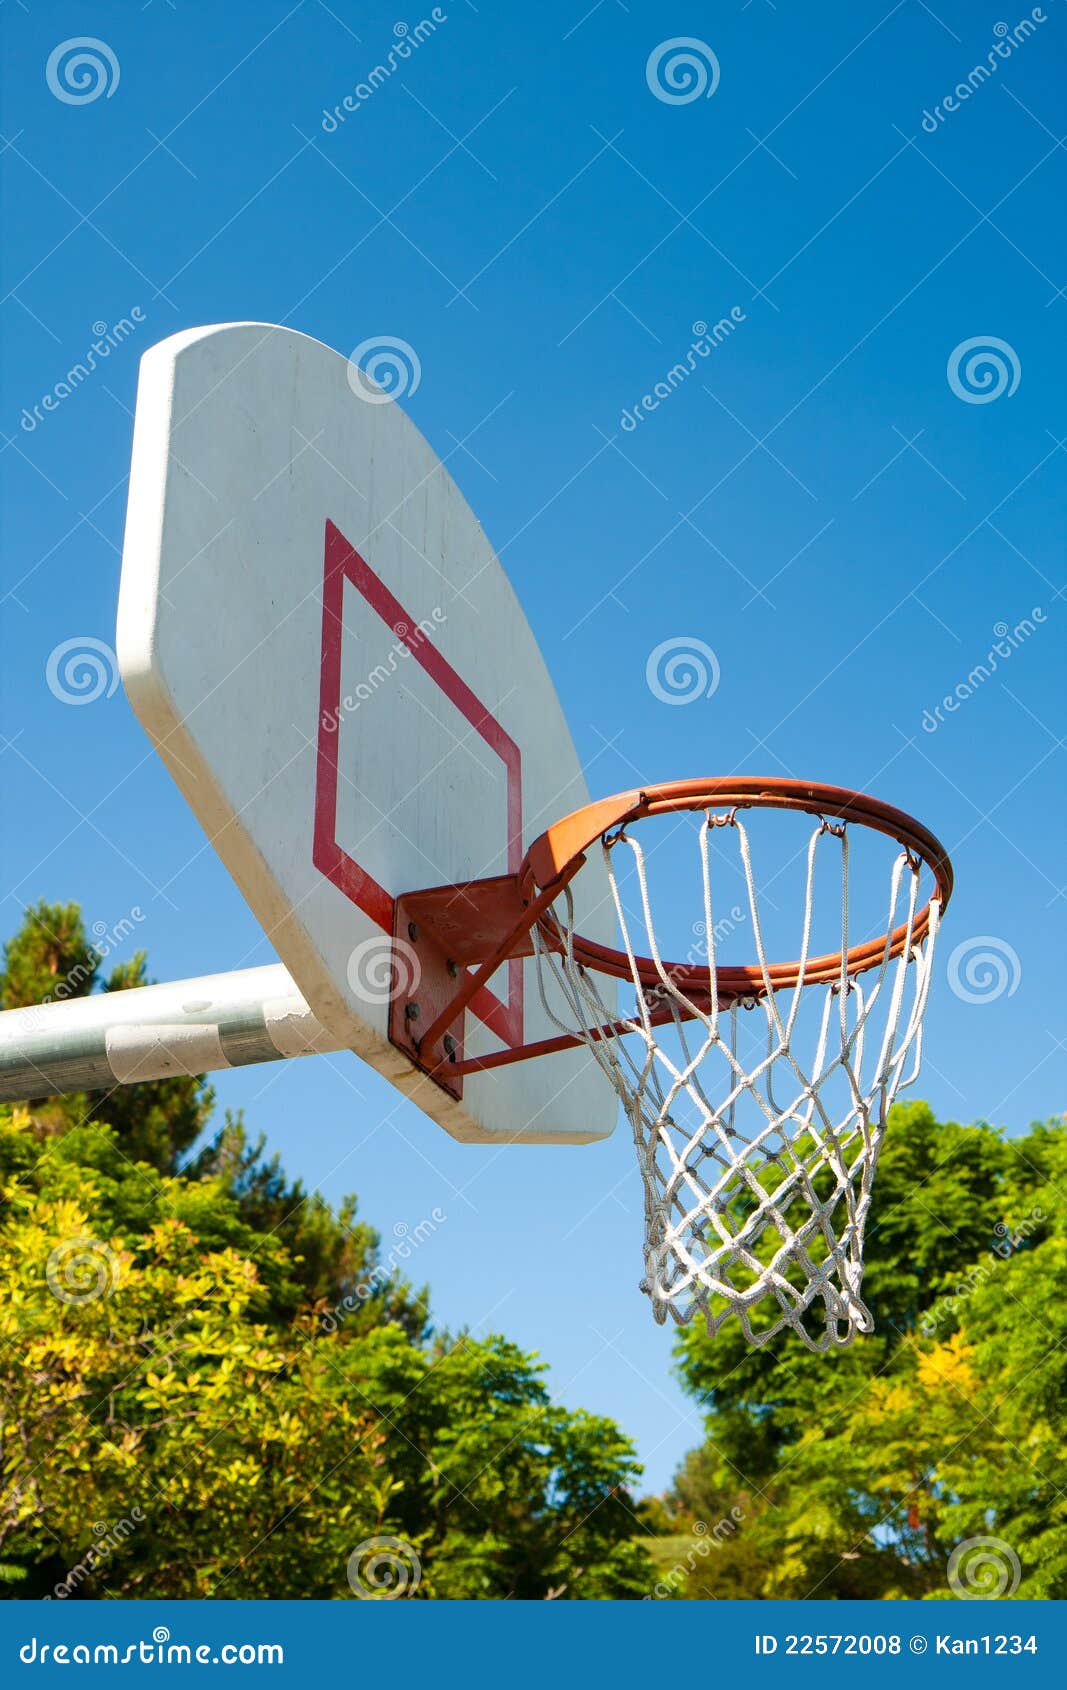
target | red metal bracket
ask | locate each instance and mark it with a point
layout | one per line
(450, 940)
(470, 921)
(426, 979)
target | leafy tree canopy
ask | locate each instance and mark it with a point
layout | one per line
(858, 1474)
(211, 1384)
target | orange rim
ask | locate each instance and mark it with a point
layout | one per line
(562, 847)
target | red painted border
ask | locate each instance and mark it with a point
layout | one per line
(343, 563)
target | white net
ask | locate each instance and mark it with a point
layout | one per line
(757, 1121)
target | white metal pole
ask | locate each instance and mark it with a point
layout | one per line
(155, 1032)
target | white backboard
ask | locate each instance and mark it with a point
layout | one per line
(318, 638)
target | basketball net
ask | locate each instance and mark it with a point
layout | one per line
(757, 1157)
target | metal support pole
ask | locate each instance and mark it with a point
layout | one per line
(156, 1032)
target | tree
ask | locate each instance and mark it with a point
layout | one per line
(212, 1384)
(868, 1469)
(509, 1494)
(140, 1382)
(334, 1255)
(52, 960)
(49, 958)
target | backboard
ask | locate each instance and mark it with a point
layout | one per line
(318, 638)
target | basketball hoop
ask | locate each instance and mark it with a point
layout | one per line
(266, 607)
(757, 1156)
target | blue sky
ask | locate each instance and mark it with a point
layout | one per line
(845, 523)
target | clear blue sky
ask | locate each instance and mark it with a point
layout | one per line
(818, 503)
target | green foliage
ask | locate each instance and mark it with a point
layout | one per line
(333, 1253)
(211, 1384)
(521, 1497)
(139, 1380)
(860, 1472)
(49, 958)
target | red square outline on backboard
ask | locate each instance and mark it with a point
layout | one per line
(343, 563)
